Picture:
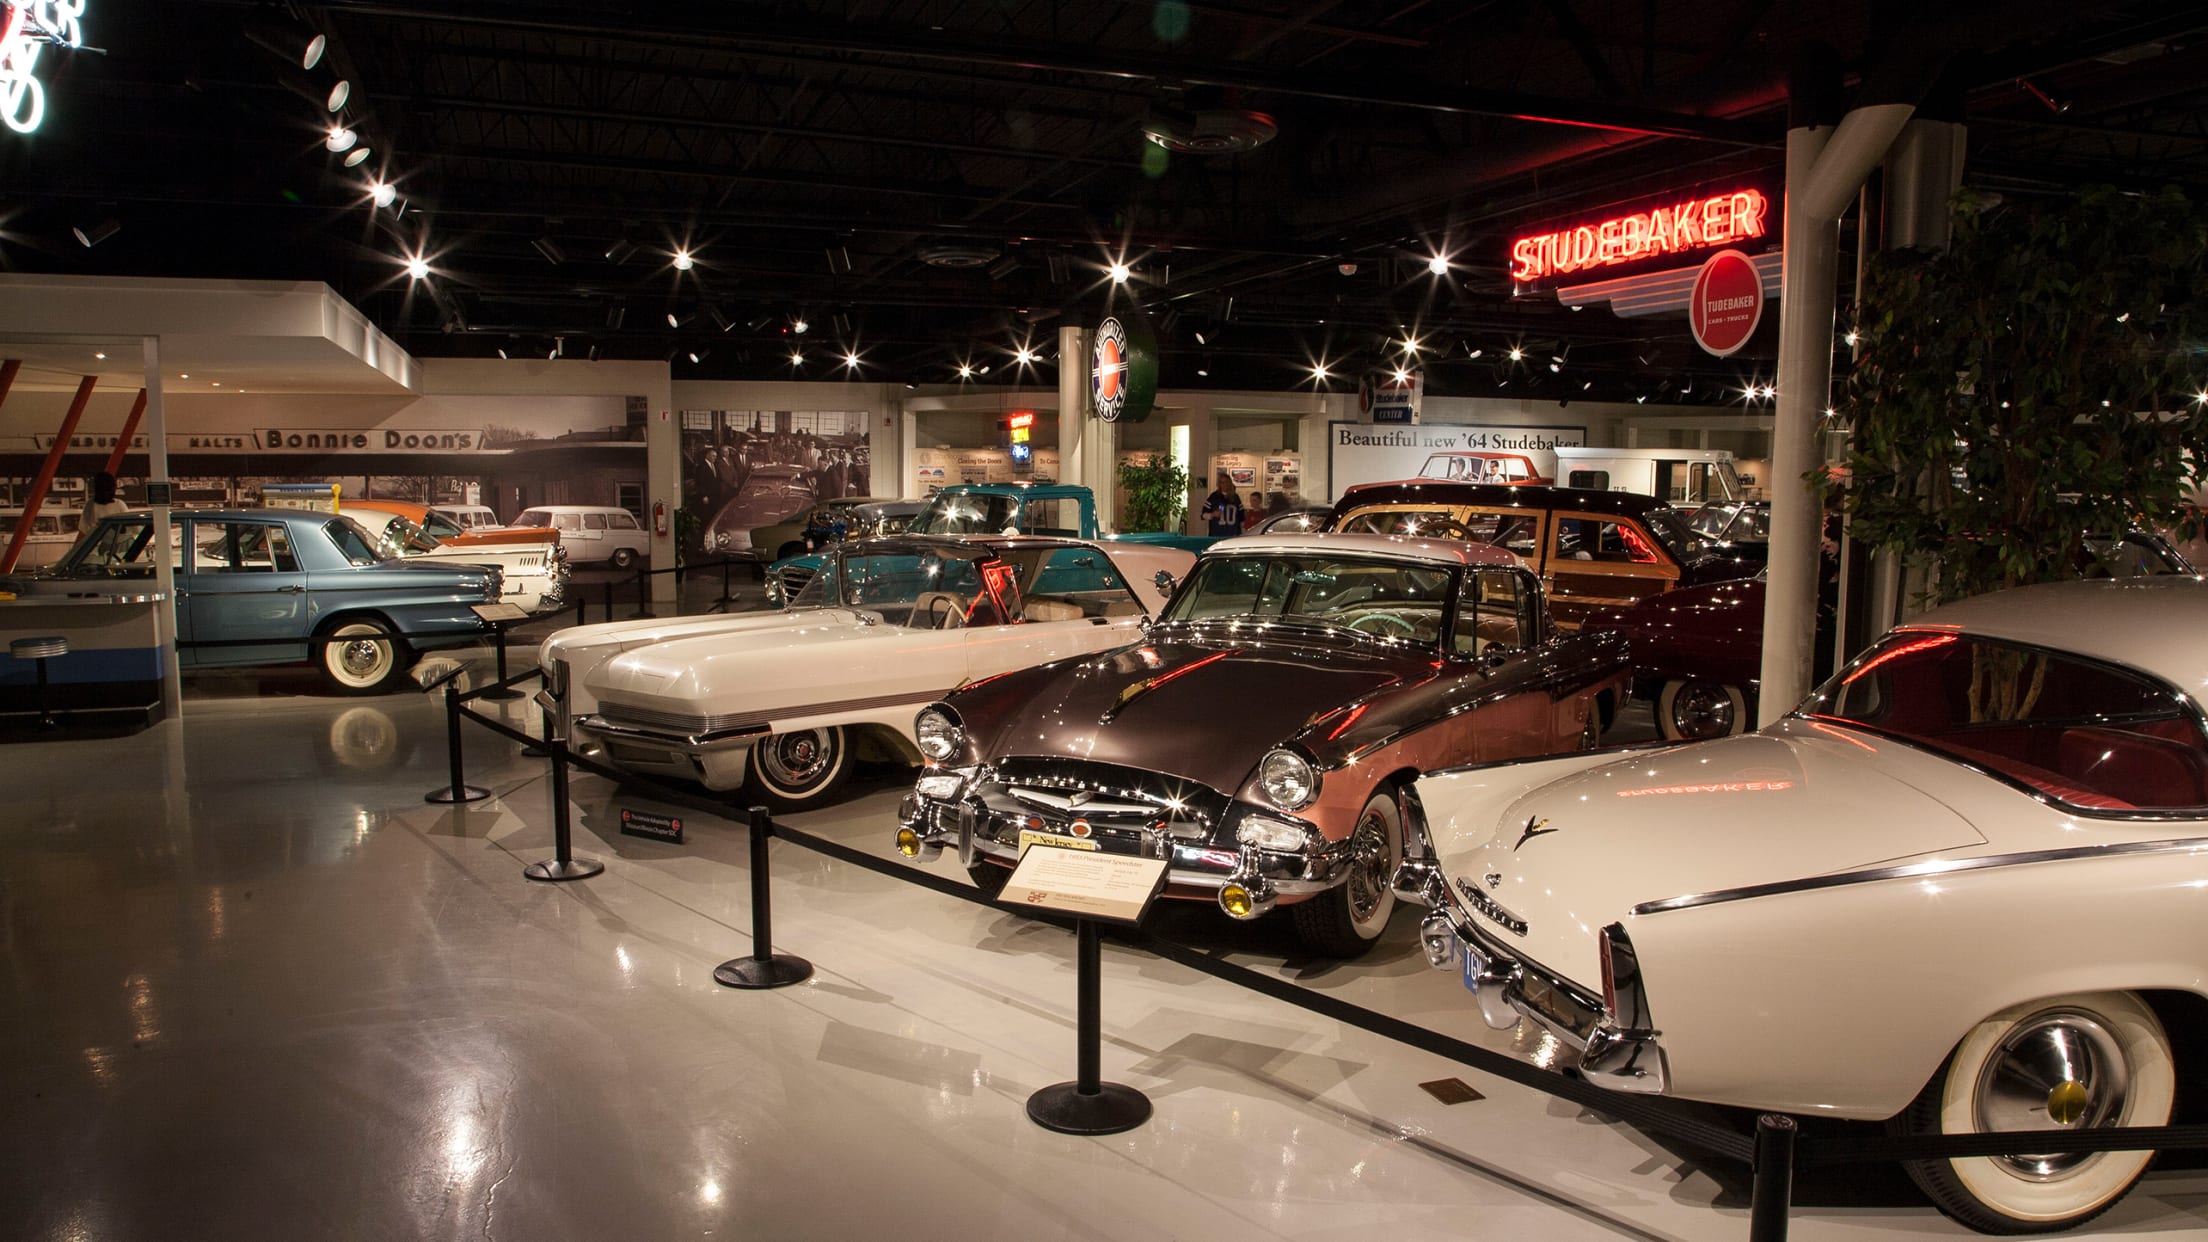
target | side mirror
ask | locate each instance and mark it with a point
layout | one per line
(1165, 582)
(1497, 655)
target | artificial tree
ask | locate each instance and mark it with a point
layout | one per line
(1157, 494)
(2038, 380)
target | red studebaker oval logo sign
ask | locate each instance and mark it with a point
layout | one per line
(1727, 303)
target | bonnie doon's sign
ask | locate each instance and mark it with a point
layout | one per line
(25, 29)
(1123, 372)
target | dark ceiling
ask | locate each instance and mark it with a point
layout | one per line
(932, 183)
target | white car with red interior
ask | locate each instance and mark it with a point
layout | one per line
(1963, 888)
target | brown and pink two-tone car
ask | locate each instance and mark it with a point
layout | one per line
(1263, 735)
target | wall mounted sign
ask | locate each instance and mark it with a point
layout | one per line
(1123, 371)
(1726, 304)
(25, 29)
(1678, 227)
(1388, 399)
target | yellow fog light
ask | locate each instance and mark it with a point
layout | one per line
(1237, 901)
(908, 843)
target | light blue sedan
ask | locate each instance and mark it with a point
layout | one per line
(256, 586)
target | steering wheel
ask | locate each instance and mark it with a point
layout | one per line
(1389, 617)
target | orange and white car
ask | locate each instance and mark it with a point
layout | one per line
(534, 563)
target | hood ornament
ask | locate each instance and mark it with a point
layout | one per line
(1536, 826)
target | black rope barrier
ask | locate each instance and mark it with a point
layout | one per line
(1774, 1151)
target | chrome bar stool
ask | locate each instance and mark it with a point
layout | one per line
(38, 651)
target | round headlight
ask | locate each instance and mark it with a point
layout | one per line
(1287, 779)
(938, 733)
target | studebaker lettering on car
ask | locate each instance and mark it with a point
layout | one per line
(1957, 890)
(779, 702)
(1371, 659)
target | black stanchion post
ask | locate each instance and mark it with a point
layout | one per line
(1088, 1105)
(608, 584)
(643, 591)
(563, 865)
(541, 749)
(764, 968)
(458, 791)
(504, 693)
(1774, 1178)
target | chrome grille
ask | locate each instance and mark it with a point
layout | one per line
(794, 578)
(1060, 790)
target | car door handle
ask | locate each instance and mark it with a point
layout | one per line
(293, 589)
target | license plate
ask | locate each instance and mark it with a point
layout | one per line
(1054, 841)
(1468, 970)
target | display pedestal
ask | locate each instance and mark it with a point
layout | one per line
(1087, 1105)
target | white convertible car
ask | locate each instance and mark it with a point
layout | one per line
(1964, 888)
(780, 702)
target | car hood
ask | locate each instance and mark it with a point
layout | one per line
(1182, 706)
(822, 658)
(1573, 854)
(584, 647)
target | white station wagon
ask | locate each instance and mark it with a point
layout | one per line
(779, 703)
(1962, 889)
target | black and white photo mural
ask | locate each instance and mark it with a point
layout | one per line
(747, 469)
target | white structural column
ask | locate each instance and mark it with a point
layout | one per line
(1088, 447)
(1825, 166)
(164, 571)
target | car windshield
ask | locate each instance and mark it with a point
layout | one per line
(2088, 734)
(351, 541)
(1736, 523)
(117, 548)
(1398, 601)
(923, 590)
(440, 526)
(1671, 530)
(959, 513)
(403, 538)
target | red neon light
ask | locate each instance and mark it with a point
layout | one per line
(1691, 225)
(1025, 418)
(1637, 547)
(1895, 653)
(997, 584)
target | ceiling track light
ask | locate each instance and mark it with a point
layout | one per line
(382, 193)
(720, 317)
(92, 235)
(287, 40)
(614, 315)
(1004, 267)
(551, 251)
(839, 260)
(340, 138)
(683, 261)
(358, 157)
(620, 250)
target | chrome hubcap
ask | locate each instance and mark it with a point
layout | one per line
(360, 657)
(1701, 710)
(1368, 870)
(794, 759)
(2057, 1069)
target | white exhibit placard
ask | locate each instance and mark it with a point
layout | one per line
(1089, 883)
(1368, 453)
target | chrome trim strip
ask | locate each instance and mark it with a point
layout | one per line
(1930, 867)
(718, 739)
(647, 717)
(1606, 752)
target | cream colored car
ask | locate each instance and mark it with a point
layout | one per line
(1959, 891)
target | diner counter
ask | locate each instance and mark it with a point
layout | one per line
(117, 652)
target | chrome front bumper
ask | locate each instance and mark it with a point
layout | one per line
(983, 822)
(1623, 1056)
(715, 758)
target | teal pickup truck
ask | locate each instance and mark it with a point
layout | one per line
(1067, 510)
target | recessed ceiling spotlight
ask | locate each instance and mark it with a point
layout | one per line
(851, 360)
(1202, 371)
(799, 326)
(1438, 265)
(1411, 345)
(340, 138)
(1401, 377)
(1024, 354)
(417, 267)
(358, 157)
(382, 193)
(693, 355)
(1517, 354)
(1319, 372)
(683, 261)
(101, 354)
(965, 370)
(796, 358)
(673, 320)
(1120, 272)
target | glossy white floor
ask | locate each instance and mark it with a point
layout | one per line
(257, 988)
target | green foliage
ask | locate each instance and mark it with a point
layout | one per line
(1157, 494)
(687, 524)
(2035, 381)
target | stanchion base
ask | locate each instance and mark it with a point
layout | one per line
(554, 869)
(534, 752)
(779, 971)
(508, 695)
(1114, 1108)
(468, 793)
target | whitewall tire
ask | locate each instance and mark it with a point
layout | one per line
(1348, 919)
(1689, 709)
(797, 770)
(363, 657)
(2086, 1060)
